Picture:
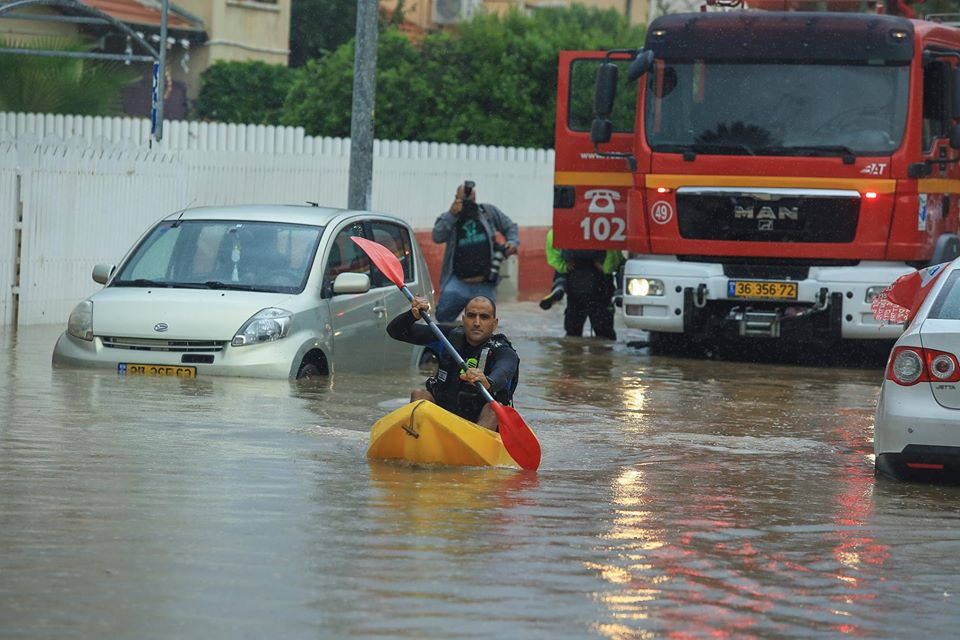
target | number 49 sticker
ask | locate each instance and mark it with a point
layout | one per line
(661, 212)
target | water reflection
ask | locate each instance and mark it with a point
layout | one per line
(445, 503)
(694, 566)
(677, 498)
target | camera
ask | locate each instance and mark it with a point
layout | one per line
(468, 209)
(495, 261)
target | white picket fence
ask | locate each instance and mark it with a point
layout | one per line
(75, 191)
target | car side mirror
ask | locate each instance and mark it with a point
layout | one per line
(349, 282)
(102, 273)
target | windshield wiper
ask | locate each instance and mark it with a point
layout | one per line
(214, 284)
(717, 147)
(845, 152)
(690, 151)
(140, 282)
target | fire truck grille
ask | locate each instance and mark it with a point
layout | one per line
(774, 215)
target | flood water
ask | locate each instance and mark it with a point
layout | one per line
(677, 498)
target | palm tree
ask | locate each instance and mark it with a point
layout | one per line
(42, 84)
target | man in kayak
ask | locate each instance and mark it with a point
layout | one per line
(491, 360)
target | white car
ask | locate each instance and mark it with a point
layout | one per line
(273, 291)
(917, 422)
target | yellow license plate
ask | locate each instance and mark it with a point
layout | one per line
(162, 370)
(762, 290)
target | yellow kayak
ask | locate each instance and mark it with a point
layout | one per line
(422, 432)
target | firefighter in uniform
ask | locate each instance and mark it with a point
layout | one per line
(588, 278)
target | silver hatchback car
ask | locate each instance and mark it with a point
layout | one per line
(917, 420)
(273, 291)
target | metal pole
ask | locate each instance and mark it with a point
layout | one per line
(162, 55)
(364, 99)
(84, 55)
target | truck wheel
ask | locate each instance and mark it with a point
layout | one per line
(663, 343)
(677, 344)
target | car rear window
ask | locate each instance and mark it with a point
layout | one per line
(947, 304)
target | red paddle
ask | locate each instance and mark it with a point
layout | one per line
(519, 441)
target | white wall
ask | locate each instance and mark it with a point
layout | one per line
(86, 189)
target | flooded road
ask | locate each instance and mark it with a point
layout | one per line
(677, 498)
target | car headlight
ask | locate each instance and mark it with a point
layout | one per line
(644, 287)
(80, 323)
(265, 326)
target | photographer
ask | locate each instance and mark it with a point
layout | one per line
(472, 257)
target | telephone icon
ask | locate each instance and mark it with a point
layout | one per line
(601, 200)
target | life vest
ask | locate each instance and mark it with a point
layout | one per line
(462, 398)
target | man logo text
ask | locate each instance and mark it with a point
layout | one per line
(766, 213)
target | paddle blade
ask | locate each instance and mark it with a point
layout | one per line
(383, 258)
(519, 441)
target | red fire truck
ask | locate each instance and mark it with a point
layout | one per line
(768, 172)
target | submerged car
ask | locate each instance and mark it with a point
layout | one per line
(917, 422)
(274, 291)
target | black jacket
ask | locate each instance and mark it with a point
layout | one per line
(501, 365)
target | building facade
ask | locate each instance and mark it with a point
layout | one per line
(238, 30)
(441, 14)
(199, 33)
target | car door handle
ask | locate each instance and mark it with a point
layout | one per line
(380, 310)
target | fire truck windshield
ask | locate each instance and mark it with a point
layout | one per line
(759, 108)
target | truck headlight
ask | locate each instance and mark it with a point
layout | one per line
(266, 325)
(644, 287)
(80, 323)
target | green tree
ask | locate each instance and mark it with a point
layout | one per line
(318, 27)
(321, 97)
(494, 84)
(243, 92)
(42, 84)
(512, 61)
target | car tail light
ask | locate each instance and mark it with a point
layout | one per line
(943, 366)
(910, 365)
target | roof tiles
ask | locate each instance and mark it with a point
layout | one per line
(135, 12)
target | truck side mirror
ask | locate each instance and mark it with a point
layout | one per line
(601, 130)
(640, 65)
(955, 95)
(605, 91)
(919, 170)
